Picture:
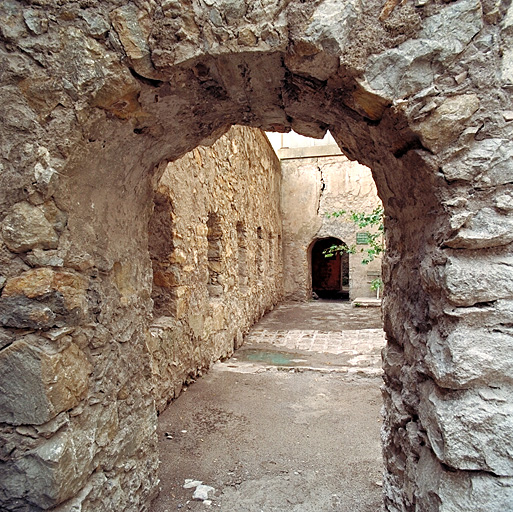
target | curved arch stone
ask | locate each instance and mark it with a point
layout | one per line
(96, 94)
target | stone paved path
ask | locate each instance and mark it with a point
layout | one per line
(330, 342)
(291, 423)
(327, 329)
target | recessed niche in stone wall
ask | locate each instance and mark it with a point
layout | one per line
(215, 241)
(207, 232)
(260, 253)
(242, 255)
(271, 252)
(166, 269)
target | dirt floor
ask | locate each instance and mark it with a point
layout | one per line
(291, 423)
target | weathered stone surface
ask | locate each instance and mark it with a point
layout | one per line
(309, 129)
(21, 312)
(331, 24)
(402, 71)
(504, 202)
(446, 122)
(471, 356)
(133, 26)
(476, 491)
(411, 67)
(86, 120)
(36, 21)
(39, 282)
(470, 429)
(486, 228)
(42, 298)
(319, 65)
(41, 258)
(454, 27)
(40, 384)
(25, 227)
(468, 283)
(6, 338)
(368, 104)
(58, 468)
(487, 163)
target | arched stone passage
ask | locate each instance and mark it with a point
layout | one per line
(95, 95)
(330, 276)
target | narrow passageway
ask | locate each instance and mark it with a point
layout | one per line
(290, 423)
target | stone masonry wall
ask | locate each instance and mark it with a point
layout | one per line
(95, 95)
(312, 188)
(211, 283)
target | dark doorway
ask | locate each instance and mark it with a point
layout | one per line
(330, 276)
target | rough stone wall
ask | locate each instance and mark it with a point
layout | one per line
(312, 188)
(96, 94)
(196, 322)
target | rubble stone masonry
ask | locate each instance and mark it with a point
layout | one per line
(96, 96)
(208, 285)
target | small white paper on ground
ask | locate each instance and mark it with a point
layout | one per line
(201, 492)
(191, 484)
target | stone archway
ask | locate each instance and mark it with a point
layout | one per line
(95, 95)
(330, 276)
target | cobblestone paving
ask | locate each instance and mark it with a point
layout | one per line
(356, 342)
(333, 336)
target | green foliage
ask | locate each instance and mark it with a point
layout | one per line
(375, 237)
(335, 214)
(338, 249)
(376, 284)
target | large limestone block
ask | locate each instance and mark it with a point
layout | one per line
(486, 163)
(318, 64)
(471, 356)
(331, 24)
(486, 228)
(413, 65)
(470, 429)
(42, 298)
(38, 385)
(454, 27)
(326, 35)
(233, 10)
(495, 317)
(402, 71)
(469, 281)
(447, 122)
(120, 94)
(216, 320)
(25, 227)
(56, 469)
(133, 27)
(460, 491)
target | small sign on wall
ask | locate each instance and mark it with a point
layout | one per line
(372, 275)
(362, 238)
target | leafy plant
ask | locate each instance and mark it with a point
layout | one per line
(375, 244)
(375, 239)
(376, 285)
